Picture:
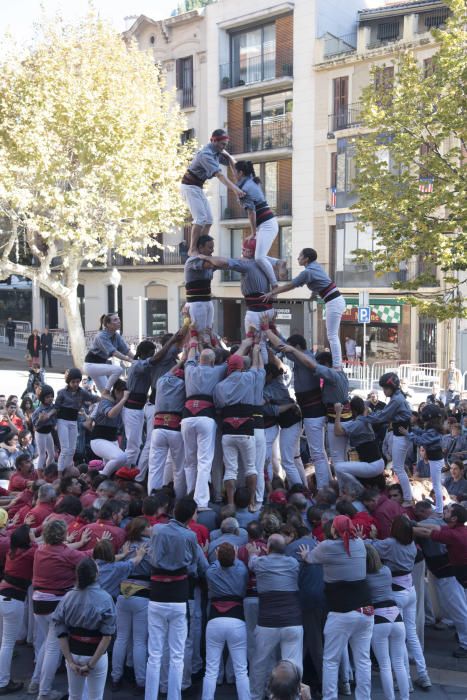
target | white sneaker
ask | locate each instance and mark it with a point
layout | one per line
(33, 687)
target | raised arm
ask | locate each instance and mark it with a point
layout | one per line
(176, 338)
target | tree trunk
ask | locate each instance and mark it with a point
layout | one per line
(75, 328)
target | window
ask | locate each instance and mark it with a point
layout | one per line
(281, 248)
(429, 67)
(340, 96)
(156, 313)
(384, 84)
(427, 329)
(344, 173)
(388, 31)
(268, 121)
(253, 55)
(184, 81)
(349, 273)
(187, 135)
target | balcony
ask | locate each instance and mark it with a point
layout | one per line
(384, 33)
(363, 275)
(165, 256)
(256, 69)
(432, 20)
(280, 203)
(185, 97)
(339, 45)
(349, 116)
(262, 136)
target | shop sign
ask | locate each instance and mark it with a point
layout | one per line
(382, 313)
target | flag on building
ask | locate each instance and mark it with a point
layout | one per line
(425, 185)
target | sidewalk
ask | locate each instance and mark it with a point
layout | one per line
(14, 358)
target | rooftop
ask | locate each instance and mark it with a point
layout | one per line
(398, 8)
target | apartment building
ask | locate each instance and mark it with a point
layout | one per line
(342, 69)
(285, 79)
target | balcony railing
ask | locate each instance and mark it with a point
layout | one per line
(247, 71)
(178, 256)
(338, 45)
(347, 117)
(262, 136)
(185, 97)
(280, 203)
(432, 20)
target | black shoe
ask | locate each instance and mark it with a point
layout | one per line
(12, 687)
(460, 653)
(116, 685)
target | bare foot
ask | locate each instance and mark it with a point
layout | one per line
(282, 270)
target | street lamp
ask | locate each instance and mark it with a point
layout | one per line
(115, 279)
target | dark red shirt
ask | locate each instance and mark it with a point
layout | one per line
(88, 498)
(55, 568)
(97, 530)
(455, 539)
(20, 566)
(23, 499)
(201, 532)
(19, 483)
(386, 510)
(40, 512)
(161, 519)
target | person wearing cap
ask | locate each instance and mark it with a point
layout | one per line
(430, 438)
(317, 281)
(205, 165)
(351, 616)
(166, 434)
(198, 424)
(44, 420)
(398, 412)
(235, 398)
(69, 403)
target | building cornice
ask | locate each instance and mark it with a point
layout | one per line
(282, 8)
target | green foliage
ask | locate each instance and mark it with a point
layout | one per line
(421, 122)
(188, 5)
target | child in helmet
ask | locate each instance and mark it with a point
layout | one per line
(44, 420)
(398, 412)
(430, 437)
(69, 403)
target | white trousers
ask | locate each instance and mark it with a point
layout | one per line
(164, 441)
(95, 680)
(67, 434)
(260, 460)
(110, 453)
(251, 610)
(342, 629)
(436, 466)
(290, 640)
(11, 616)
(201, 314)
(265, 236)
(104, 375)
(289, 443)
(337, 445)
(167, 624)
(220, 631)
(314, 431)
(132, 631)
(49, 656)
(133, 422)
(238, 448)
(45, 449)
(199, 439)
(197, 203)
(365, 470)
(143, 461)
(388, 643)
(400, 446)
(253, 318)
(453, 601)
(407, 603)
(334, 310)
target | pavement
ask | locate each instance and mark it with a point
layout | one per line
(448, 675)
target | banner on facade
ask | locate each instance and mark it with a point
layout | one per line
(382, 313)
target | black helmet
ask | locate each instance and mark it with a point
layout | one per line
(46, 390)
(73, 373)
(431, 411)
(391, 380)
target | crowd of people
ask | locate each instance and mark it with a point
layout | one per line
(228, 499)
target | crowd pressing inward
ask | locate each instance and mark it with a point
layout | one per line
(229, 514)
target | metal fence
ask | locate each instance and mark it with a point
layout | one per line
(366, 376)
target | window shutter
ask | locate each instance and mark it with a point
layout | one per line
(333, 169)
(179, 73)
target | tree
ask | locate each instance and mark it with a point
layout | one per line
(415, 199)
(188, 5)
(90, 158)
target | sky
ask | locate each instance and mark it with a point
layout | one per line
(18, 16)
